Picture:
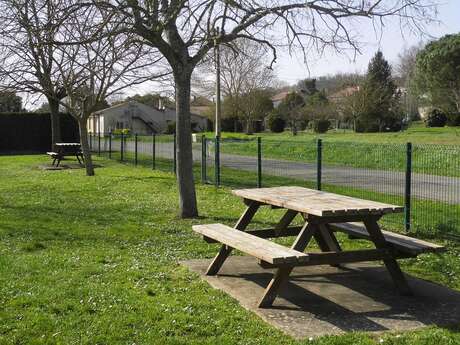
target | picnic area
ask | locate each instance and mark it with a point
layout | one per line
(107, 260)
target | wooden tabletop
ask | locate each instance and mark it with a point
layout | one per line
(315, 202)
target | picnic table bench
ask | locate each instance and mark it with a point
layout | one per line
(66, 149)
(323, 214)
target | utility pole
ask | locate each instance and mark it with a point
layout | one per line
(218, 104)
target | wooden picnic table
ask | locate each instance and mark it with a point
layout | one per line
(323, 214)
(66, 149)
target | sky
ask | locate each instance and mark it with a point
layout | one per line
(292, 68)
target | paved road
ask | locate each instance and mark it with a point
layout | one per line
(430, 187)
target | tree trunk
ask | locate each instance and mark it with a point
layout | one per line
(294, 127)
(82, 124)
(249, 129)
(55, 123)
(184, 167)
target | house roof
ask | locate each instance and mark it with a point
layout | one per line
(346, 92)
(280, 96)
(199, 110)
(121, 105)
(133, 102)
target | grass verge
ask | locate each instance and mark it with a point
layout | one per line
(95, 261)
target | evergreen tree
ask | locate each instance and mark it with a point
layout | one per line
(291, 107)
(307, 87)
(438, 73)
(381, 110)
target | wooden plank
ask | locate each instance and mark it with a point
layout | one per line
(258, 247)
(267, 233)
(337, 258)
(401, 242)
(334, 258)
(316, 202)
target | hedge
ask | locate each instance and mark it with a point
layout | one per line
(31, 132)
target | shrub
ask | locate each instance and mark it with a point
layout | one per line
(321, 126)
(436, 118)
(276, 123)
(119, 131)
(453, 119)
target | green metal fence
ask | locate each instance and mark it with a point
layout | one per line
(423, 178)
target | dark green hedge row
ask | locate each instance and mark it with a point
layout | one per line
(31, 132)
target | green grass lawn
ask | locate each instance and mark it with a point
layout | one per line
(417, 133)
(431, 219)
(436, 151)
(95, 261)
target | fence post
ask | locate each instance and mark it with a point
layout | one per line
(407, 193)
(153, 151)
(110, 144)
(259, 162)
(175, 155)
(319, 163)
(122, 144)
(203, 159)
(217, 161)
(99, 143)
(135, 149)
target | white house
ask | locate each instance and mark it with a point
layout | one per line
(138, 118)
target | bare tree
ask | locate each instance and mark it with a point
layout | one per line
(405, 70)
(245, 70)
(27, 59)
(185, 30)
(93, 70)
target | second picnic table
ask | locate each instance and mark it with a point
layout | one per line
(323, 214)
(66, 149)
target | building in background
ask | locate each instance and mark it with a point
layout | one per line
(279, 97)
(139, 118)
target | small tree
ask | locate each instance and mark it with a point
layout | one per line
(276, 122)
(320, 111)
(406, 71)
(291, 109)
(254, 105)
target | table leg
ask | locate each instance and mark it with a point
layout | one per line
(329, 238)
(282, 274)
(225, 250)
(391, 264)
(284, 222)
(271, 291)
